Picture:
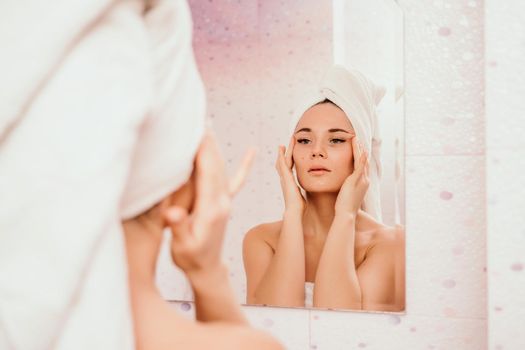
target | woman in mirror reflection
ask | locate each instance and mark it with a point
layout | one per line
(330, 250)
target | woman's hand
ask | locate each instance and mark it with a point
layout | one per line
(355, 186)
(293, 199)
(198, 235)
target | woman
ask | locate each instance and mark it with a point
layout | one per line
(86, 144)
(328, 240)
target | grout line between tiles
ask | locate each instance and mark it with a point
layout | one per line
(447, 155)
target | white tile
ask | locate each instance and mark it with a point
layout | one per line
(506, 252)
(505, 173)
(184, 308)
(347, 330)
(446, 243)
(290, 326)
(444, 78)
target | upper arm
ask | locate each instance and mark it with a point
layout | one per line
(382, 275)
(257, 255)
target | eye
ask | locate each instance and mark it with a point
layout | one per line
(303, 141)
(338, 140)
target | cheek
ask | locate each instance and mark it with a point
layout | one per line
(298, 158)
(344, 160)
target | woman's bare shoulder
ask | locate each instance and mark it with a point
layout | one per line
(390, 235)
(267, 232)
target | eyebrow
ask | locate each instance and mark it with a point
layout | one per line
(330, 130)
(337, 130)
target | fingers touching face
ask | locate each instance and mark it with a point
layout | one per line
(323, 139)
(209, 176)
(289, 152)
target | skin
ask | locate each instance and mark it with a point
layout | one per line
(196, 214)
(326, 238)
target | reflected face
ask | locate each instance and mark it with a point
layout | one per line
(322, 153)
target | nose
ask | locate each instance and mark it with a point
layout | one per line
(318, 151)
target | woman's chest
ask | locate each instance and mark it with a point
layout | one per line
(313, 250)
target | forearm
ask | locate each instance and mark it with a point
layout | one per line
(214, 296)
(336, 282)
(283, 282)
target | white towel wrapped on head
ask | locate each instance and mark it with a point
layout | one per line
(101, 113)
(358, 97)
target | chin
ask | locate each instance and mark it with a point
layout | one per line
(322, 184)
(319, 187)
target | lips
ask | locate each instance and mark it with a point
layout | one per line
(318, 169)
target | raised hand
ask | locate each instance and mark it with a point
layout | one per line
(198, 235)
(293, 199)
(356, 184)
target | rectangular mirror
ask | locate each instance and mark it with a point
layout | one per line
(318, 74)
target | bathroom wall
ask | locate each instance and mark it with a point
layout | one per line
(250, 54)
(505, 166)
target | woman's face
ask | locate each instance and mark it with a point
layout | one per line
(322, 153)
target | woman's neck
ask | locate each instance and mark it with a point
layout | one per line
(142, 248)
(320, 212)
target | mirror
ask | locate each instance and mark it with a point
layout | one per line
(264, 66)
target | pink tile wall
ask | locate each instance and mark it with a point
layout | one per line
(505, 88)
